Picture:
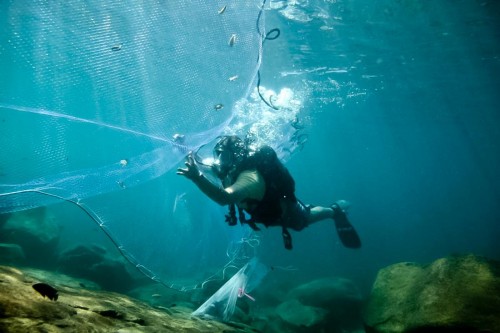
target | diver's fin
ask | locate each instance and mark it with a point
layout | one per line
(347, 234)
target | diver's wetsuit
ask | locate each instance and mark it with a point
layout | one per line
(251, 186)
(262, 186)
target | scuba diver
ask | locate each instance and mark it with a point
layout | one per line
(256, 182)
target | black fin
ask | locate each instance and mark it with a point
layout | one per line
(347, 234)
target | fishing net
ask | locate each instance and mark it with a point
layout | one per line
(100, 101)
(223, 303)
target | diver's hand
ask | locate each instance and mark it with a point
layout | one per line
(191, 171)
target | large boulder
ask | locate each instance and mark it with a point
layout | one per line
(4, 218)
(37, 232)
(300, 315)
(455, 294)
(11, 254)
(327, 293)
(330, 304)
(94, 263)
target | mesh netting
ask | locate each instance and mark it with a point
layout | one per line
(222, 304)
(97, 84)
(99, 101)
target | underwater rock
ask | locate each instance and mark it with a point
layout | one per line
(454, 294)
(330, 304)
(112, 275)
(327, 292)
(73, 259)
(11, 253)
(339, 296)
(22, 309)
(37, 232)
(298, 314)
(93, 263)
(4, 218)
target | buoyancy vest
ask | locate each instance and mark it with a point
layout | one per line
(279, 186)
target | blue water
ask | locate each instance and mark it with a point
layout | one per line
(416, 149)
(402, 121)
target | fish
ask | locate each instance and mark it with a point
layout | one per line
(178, 138)
(46, 290)
(179, 199)
(232, 40)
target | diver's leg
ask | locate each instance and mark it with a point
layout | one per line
(318, 213)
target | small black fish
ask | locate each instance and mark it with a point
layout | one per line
(46, 290)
